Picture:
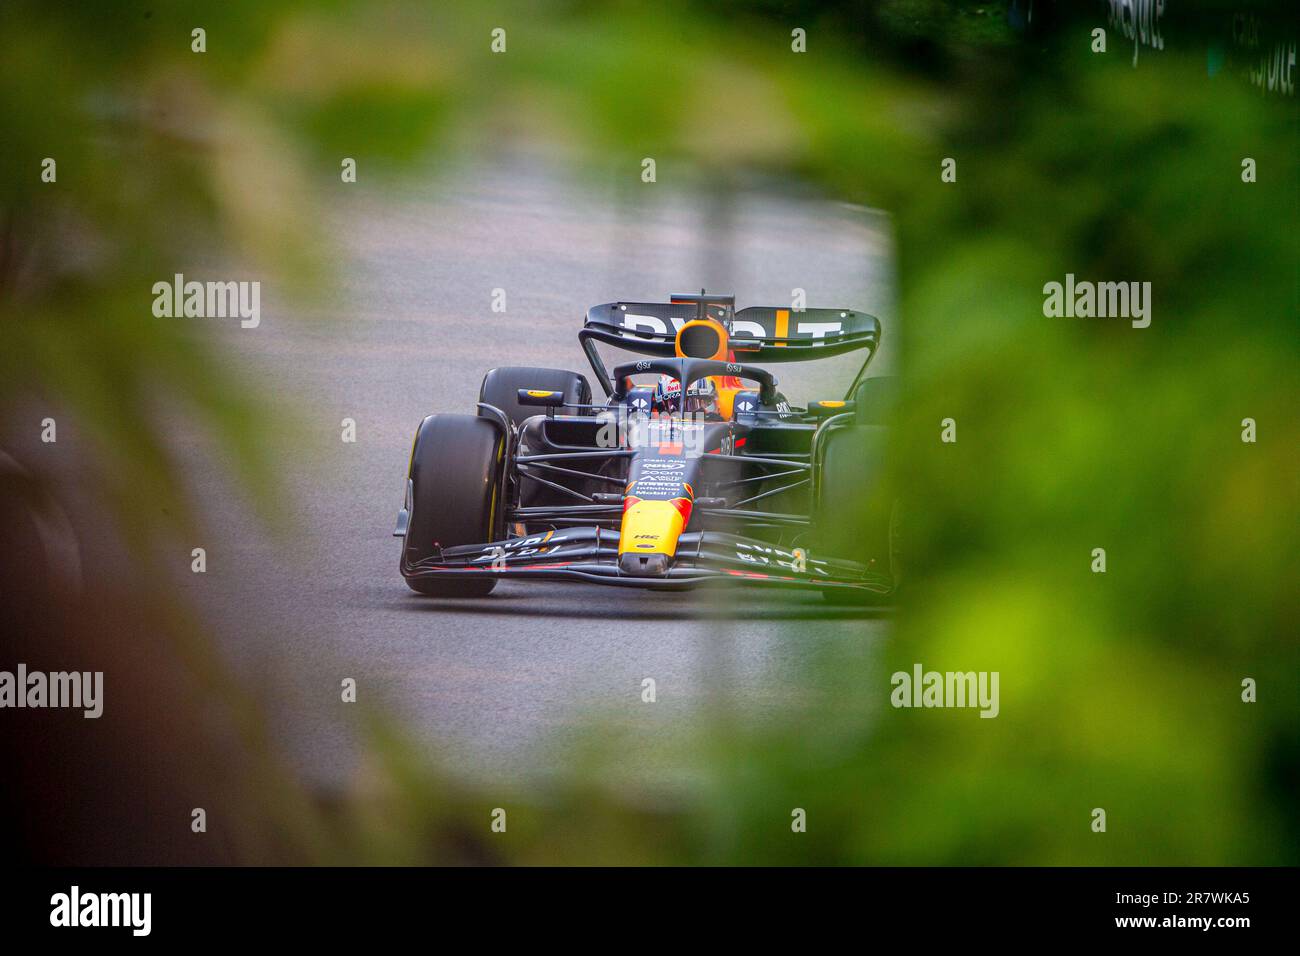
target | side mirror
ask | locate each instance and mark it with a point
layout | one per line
(745, 403)
(540, 398)
(828, 408)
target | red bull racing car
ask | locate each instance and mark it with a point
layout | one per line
(693, 470)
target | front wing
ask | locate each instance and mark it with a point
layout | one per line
(702, 558)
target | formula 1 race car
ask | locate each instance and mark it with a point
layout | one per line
(694, 470)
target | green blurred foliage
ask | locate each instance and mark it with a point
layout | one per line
(1118, 691)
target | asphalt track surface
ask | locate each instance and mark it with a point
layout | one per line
(501, 686)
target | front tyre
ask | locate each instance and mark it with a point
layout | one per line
(455, 496)
(855, 513)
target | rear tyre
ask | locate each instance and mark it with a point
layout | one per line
(501, 388)
(455, 489)
(855, 514)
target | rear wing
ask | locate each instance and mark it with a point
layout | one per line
(758, 334)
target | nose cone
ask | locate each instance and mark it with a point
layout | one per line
(650, 530)
(644, 565)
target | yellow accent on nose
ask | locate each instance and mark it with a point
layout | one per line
(651, 527)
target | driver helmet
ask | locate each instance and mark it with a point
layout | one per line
(700, 398)
(668, 395)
